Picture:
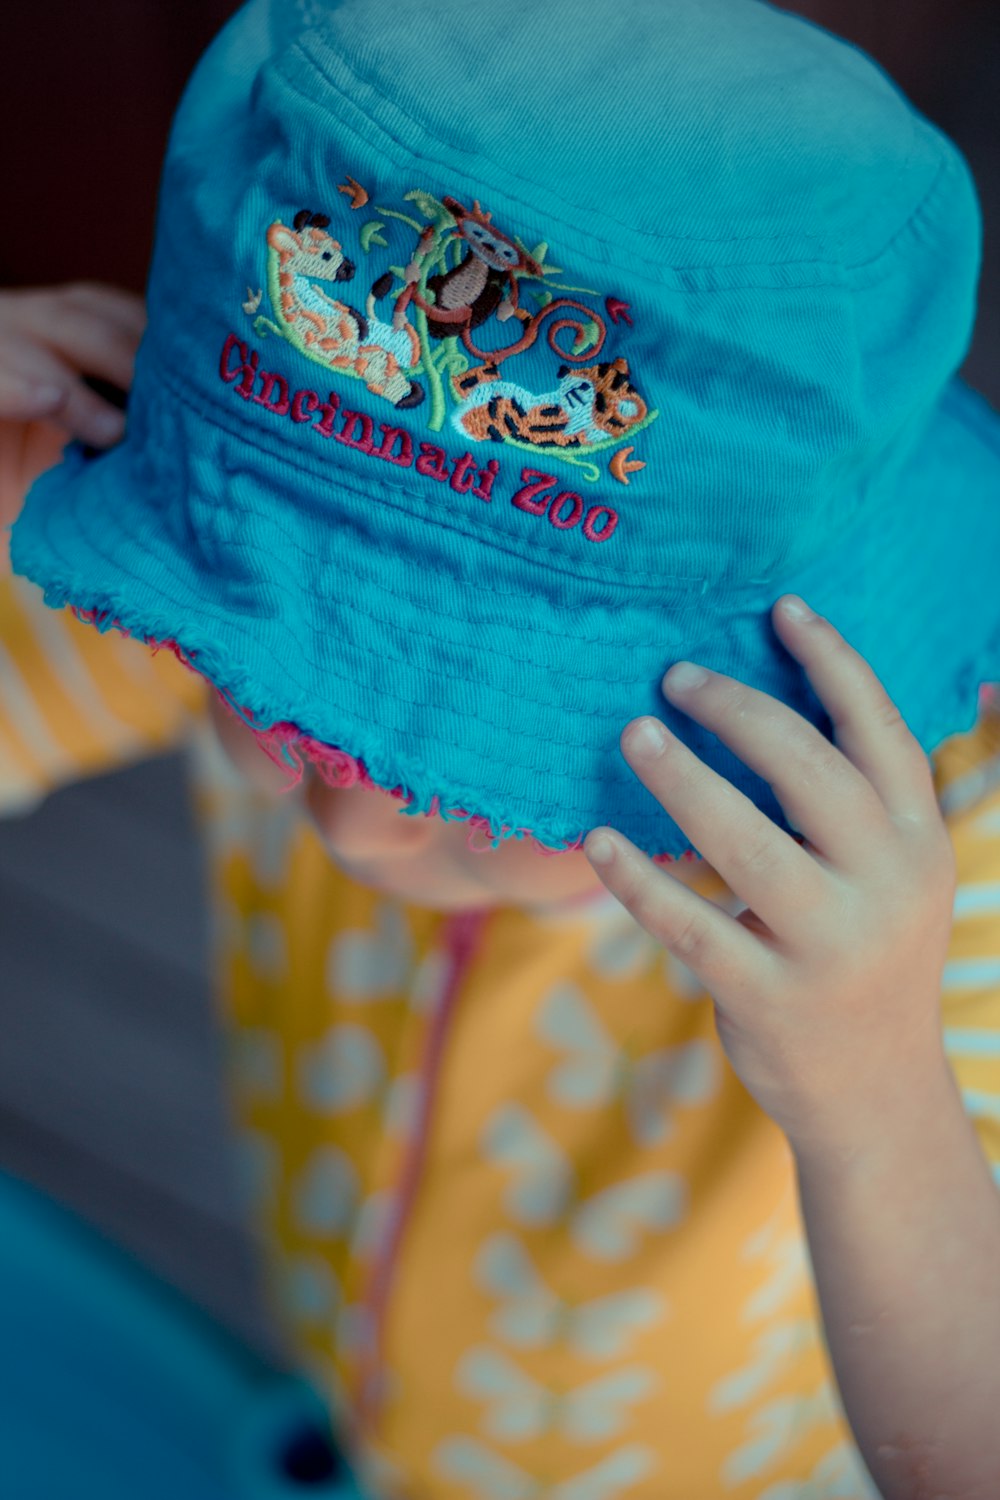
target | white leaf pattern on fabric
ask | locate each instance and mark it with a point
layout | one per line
(772, 1350)
(266, 946)
(622, 949)
(325, 1193)
(541, 1174)
(310, 1289)
(608, 1226)
(841, 1474)
(599, 1070)
(774, 1428)
(363, 967)
(494, 1478)
(520, 1408)
(342, 1071)
(531, 1316)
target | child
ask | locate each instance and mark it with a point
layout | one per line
(573, 1182)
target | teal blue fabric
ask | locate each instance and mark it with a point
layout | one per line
(783, 255)
(113, 1386)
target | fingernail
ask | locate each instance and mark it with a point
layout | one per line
(796, 609)
(685, 675)
(647, 738)
(600, 849)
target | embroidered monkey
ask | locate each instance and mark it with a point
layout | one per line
(486, 281)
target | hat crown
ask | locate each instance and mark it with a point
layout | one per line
(740, 268)
(697, 132)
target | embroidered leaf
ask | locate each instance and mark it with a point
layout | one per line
(370, 232)
(431, 208)
(262, 326)
(455, 360)
(542, 298)
(590, 333)
(538, 254)
(398, 271)
(561, 285)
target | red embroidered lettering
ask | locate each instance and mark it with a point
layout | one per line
(232, 342)
(329, 410)
(351, 418)
(589, 531)
(248, 365)
(269, 381)
(484, 488)
(461, 479)
(239, 367)
(405, 456)
(525, 498)
(304, 403)
(556, 506)
(433, 461)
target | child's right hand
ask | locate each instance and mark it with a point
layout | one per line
(50, 337)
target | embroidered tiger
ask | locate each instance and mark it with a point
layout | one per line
(592, 404)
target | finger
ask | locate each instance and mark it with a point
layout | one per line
(760, 863)
(80, 411)
(91, 342)
(869, 729)
(721, 953)
(822, 794)
(126, 309)
(24, 399)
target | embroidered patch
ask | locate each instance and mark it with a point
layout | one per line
(463, 272)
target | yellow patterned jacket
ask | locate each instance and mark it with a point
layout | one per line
(522, 1221)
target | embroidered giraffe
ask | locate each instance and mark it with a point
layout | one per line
(332, 332)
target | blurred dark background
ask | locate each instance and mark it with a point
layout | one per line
(109, 1068)
(85, 111)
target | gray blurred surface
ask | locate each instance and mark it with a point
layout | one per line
(110, 1065)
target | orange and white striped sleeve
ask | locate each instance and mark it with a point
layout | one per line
(75, 702)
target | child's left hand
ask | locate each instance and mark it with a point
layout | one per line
(827, 988)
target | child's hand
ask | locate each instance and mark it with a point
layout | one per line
(49, 338)
(827, 989)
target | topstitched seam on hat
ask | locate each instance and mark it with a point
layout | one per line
(640, 684)
(554, 560)
(919, 130)
(321, 669)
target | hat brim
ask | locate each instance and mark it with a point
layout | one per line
(435, 687)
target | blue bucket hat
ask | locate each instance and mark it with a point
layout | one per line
(497, 360)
